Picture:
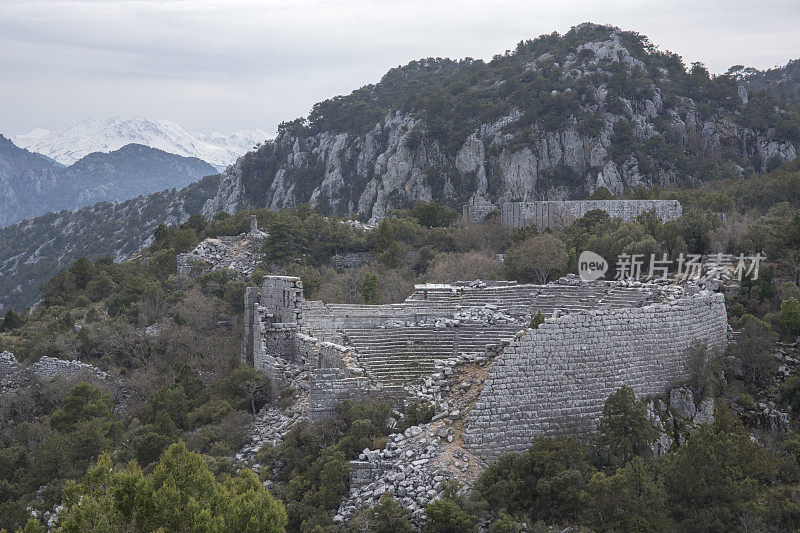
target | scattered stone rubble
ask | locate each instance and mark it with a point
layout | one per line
(271, 426)
(240, 254)
(8, 364)
(14, 375)
(411, 466)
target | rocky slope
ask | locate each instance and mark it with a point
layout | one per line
(70, 144)
(782, 82)
(556, 119)
(14, 159)
(33, 250)
(131, 171)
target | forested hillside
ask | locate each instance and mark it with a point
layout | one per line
(33, 250)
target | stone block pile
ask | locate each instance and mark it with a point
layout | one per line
(240, 253)
(410, 466)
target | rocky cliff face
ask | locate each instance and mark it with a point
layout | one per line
(653, 135)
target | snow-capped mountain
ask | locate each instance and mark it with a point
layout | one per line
(71, 144)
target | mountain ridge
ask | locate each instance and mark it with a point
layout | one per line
(556, 119)
(116, 176)
(70, 144)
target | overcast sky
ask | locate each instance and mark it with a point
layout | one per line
(221, 65)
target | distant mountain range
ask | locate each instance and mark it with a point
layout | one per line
(70, 144)
(32, 184)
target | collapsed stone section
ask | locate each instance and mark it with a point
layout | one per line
(239, 253)
(8, 365)
(555, 379)
(13, 375)
(556, 214)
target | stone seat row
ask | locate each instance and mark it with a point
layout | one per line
(406, 354)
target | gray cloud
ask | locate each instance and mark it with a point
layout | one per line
(225, 64)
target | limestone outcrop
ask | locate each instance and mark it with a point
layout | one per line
(402, 157)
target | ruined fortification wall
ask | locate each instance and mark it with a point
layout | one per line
(554, 380)
(477, 209)
(282, 296)
(556, 214)
(47, 368)
(330, 386)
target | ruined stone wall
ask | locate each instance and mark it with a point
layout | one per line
(275, 346)
(330, 386)
(8, 364)
(477, 208)
(556, 214)
(282, 296)
(252, 298)
(554, 380)
(47, 368)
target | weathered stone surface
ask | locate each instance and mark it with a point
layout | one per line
(681, 402)
(47, 368)
(239, 254)
(555, 379)
(8, 364)
(556, 214)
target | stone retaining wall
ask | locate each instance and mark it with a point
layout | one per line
(554, 380)
(330, 386)
(556, 214)
(48, 368)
